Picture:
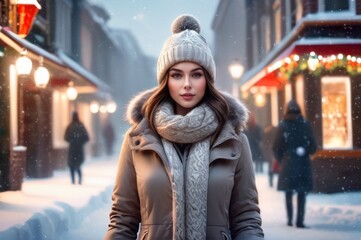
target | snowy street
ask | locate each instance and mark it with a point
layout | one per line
(336, 216)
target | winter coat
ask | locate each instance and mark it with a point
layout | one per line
(294, 142)
(76, 135)
(143, 190)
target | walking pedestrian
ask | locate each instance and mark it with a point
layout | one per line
(109, 137)
(254, 134)
(267, 142)
(293, 145)
(76, 135)
(185, 169)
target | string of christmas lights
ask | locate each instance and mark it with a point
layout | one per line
(318, 65)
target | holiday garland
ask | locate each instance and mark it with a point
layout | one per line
(319, 65)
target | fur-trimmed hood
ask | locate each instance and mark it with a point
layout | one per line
(238, 113)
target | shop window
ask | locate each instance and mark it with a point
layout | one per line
(336, 113)
(60, 119)
(337, 5)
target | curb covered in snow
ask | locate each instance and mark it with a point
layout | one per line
(51, 222)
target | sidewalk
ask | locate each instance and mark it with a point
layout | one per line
(45, 207)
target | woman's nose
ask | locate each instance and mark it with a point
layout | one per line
(187, 83)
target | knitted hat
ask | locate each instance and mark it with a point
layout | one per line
(185, 44)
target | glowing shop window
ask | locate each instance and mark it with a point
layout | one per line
(336, 113)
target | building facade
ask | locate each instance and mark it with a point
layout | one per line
(309, 51)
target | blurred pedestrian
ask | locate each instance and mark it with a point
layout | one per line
(76, 135)
(292, 147)
(109, 137)
(185, 169)
(254, 133)
(267, 142)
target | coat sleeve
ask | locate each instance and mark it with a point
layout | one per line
(245, 219)
(125, 211)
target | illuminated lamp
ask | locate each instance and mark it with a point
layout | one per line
(94, 107)
(103, 108)
(23, 64)
(111, 107)
(26, 13)
(71, 92)
(41, 75)
(236, 69)
(260, 99)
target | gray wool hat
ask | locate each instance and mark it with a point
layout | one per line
(185, 44)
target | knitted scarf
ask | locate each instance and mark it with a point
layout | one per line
(190, 178)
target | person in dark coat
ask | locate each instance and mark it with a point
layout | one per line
(109, 137)
(76, 135)
(254, 134)
(267, 141)
(293, 145)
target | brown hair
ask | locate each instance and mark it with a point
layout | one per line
(212, 97)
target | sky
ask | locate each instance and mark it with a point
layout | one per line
(81, 212)
(150, 21)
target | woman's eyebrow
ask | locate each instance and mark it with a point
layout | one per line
(178, 70)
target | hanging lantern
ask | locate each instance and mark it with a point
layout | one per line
(23, 64)
(71, 92)
(41, 77)
(26, 13)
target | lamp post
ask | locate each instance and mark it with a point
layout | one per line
(236, 70)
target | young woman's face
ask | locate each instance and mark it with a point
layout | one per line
(186, 85)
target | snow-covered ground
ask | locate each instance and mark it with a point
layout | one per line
(54, 209)
(328, 216)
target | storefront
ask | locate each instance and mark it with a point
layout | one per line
(35, 114)
(324, 76)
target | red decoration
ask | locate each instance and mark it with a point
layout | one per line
(26, 11)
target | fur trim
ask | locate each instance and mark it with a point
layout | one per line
(238, 113)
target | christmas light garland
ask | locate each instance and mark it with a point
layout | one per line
(318, 65)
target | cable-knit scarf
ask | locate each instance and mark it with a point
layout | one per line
(190, 178)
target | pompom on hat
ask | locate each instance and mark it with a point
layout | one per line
(185, 44)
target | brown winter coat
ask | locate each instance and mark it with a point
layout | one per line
(143, 191)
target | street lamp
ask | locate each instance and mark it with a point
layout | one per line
(236, 70)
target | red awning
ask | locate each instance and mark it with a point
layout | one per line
(267, 72)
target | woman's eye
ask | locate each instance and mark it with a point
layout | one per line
(176, 75)
(197, 75)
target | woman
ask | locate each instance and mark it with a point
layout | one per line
(293, 144)
(185, 168)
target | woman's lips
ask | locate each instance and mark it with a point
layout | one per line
(187, 96)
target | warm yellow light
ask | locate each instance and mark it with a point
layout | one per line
(23, 64)
(41, 77)
(72, 93)
(236, 69)
(111, 107)
(94, 107)
(103, 109)
(260, 99)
